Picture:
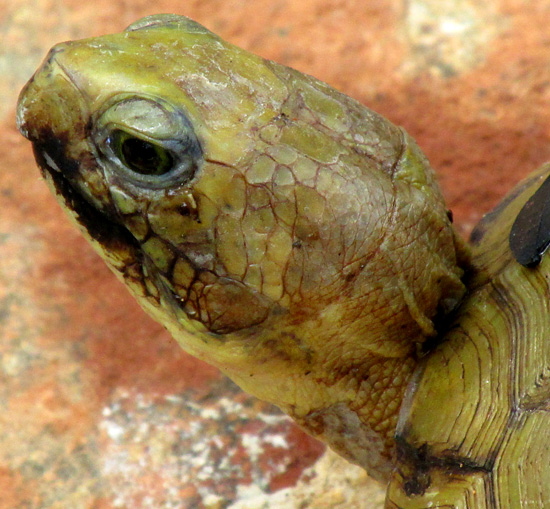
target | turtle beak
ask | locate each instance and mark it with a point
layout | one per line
(50, 106)
(50, 114)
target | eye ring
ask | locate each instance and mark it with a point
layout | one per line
(146, 142)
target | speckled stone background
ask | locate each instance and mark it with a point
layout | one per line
(98, 406)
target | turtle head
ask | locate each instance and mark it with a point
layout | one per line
(151, 171)
(276, 227)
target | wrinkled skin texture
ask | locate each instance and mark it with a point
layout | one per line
(487, 383)
(296, 240)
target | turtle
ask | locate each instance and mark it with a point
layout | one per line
(297, 240)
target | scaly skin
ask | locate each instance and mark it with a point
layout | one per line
(304, 248)
(474, 427)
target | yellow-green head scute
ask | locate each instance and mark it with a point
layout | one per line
(279, 229)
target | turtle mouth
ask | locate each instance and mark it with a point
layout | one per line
(101, 226)
(126, 256)
(51, 113)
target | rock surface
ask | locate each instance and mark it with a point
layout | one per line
(99, 407)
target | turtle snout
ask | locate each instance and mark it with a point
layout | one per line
(50, 102)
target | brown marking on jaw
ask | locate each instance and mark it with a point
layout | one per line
(221, 304)
(133, 273)
(98, 225)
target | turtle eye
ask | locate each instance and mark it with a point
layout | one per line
(141, 156)
(146, 142)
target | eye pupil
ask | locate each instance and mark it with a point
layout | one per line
(144, 157)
